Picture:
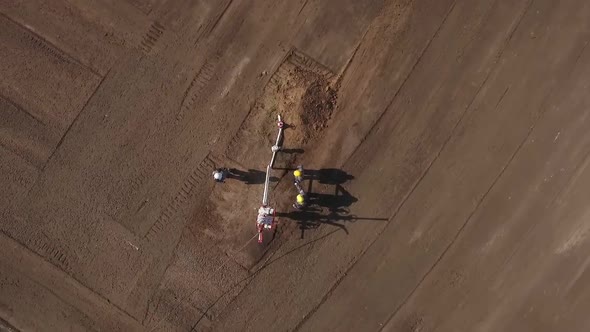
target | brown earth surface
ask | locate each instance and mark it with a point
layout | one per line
(446, 144)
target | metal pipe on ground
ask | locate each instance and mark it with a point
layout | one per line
(266, 186)
(277, 147)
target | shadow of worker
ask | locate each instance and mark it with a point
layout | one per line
(251, 176)
(311, 218)
(292, 151)
(329, 176)
(337, 202)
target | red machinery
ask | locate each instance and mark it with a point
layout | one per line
(266, 214)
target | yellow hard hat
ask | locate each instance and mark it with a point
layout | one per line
(300, 199)
(297, 173)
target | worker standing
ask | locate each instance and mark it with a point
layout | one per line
(298, 174)
(300, 201)
(220, 174)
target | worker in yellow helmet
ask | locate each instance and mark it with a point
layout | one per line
(300, 202)
(298, 174)
(300, 199)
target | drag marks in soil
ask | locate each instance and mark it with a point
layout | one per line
(24, 134)
(40, 44)
(7, 102)
(39, 243)
(240, 137)
(134, 186)
(137, 182)
(145, 6)
(151, 37)
(192, 93)
(132, 192)
(53, 254)
(303, 62)
(200, 173)
(306, 62)
(280, 75)
(44, 47)
(214, 23)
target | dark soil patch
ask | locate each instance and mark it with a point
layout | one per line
(318, 103)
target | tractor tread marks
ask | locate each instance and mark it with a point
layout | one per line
(45, 47)
(201, 79)
(151, 37)
(43, 247)
(187, 189)
(279, 75)
(305, 62)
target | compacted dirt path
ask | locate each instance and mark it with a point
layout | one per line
(446, 141)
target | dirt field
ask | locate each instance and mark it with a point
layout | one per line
(446, 141)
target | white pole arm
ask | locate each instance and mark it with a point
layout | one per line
(266, 185)
(275, 148)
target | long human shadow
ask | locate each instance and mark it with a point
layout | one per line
(292, 151)
(251, 176)
(336, 202)
(326, 207)
(329, 176)
(330, 208)
(310, 218)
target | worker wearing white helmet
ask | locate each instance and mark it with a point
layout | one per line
(220, 174)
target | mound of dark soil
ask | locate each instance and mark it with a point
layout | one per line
(318, 103)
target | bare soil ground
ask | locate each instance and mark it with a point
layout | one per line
(446, 143)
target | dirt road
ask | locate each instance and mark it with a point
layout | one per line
(446, 141)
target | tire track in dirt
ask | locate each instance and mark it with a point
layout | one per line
(39, 243)
(32, 66)
(305, 62)
(302, 7)
(22, 109)
(405, 80)
(74, 122)
(5, 326)
(46, 47)
(218, 19)
(64, 286)
(151, 37)
(423, 175)
(301, 61)
(24, 134)
(515, 154)
(409, 194)
(137, 182)
(195, 88)
(145, 7)
(180, 199)
(390, 318)
(491, 187)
